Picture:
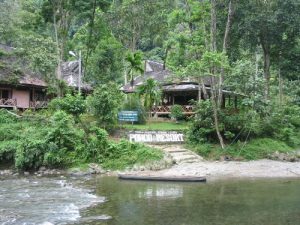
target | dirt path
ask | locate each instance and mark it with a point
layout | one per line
(188, 163)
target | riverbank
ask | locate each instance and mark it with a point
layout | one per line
(223, 170)
(179, 161)
(187, 163)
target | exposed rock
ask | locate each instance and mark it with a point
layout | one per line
(47, 223)
(26, 173)
(95, 218)
(225, 158)
(77, 172)
(96, 169)
(42, 169)
(6, 172)
(288, 157)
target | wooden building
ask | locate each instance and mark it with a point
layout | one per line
(175, 91)
(20, 88)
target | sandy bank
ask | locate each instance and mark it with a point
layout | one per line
(189, 164)
(223, 170)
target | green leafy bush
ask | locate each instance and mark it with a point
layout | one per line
(254, 149)
(30, 154)
(202, 129)
(96, 146)
(35, 141)
(72, 104)
(104, 104)
(62, 131)
(5, 117)
(177, 112)
(113, 155)
(283, 124)
(133, 103)
(126, 154)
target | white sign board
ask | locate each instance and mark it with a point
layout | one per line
(156, 136)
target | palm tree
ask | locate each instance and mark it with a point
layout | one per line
(150, 92)
(135, 61)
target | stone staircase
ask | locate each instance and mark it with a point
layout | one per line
(179, 154)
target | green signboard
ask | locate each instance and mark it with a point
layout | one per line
(128, 116)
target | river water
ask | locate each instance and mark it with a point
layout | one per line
(109, 201)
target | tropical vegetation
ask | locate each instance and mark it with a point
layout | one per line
(250, 49)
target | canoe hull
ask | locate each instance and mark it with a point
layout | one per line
(162, 178)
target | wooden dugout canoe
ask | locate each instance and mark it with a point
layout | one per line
(162, 178)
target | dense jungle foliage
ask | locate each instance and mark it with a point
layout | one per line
(55, 140)
(250, 49)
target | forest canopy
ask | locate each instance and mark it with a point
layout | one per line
(251, 48)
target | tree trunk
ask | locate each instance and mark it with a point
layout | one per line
(216, 119)
(213, 26)
(267, 74)
(58, 68)
(92, 23)
(199, 91)
(213, 83)
(165, 57)
(267, 65)
(205, 95)
(280, 88)
(225, 46)
(228, 26)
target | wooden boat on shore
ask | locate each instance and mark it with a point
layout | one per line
(161, 178)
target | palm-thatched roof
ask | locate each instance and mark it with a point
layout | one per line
(165, 77)
(70, 74)
(14, 70)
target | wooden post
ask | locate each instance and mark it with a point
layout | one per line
(223, 101)
(33, 98)
(173, 99)
(235, 102)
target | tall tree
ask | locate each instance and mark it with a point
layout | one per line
(150, 92)
(135, 65)
(273, 25)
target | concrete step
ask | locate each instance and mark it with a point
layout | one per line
(175, 151)
(191, 161)
(181, 159)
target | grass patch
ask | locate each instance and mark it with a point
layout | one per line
(158, 126)
(123, 155)
(132, 153)
(255, 149)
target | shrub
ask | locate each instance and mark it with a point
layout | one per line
(284, 124)
(96, 146)
(72, 104)
(177, 112)
(126, 154)
(133, 103)
(5, 117)
(58, 143)
(52, 145)
(30, 154)
(254, 149)
(104, 104)
(62, 131)
(202, 127)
